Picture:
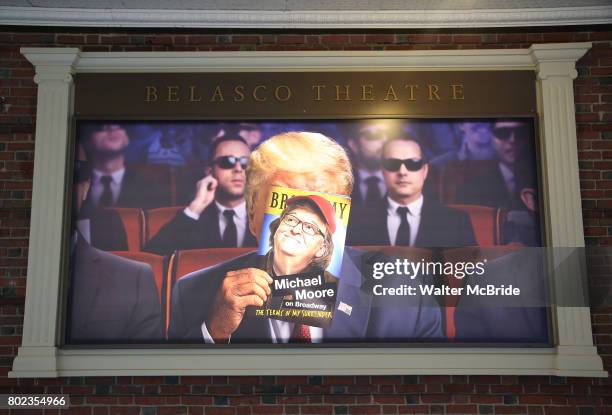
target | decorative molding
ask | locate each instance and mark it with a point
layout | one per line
(555, 67)
(309, 19)
(52, 64)
(328, 361)
(487, 59)
(54, 69)
(556, 70)
(414, 60)
(574, 354)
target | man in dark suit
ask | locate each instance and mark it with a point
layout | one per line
(522, 226)
(217, 216)
(209, 305)
(112, 299)
(496, 187)
(366, 140)
(516, 318)
(406, 217)
(113, 183)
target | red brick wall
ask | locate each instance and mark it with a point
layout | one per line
(301, 394)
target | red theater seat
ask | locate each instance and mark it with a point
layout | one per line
(163, 177)
(133, 223)
(184, 262)
(156, 262)
(467, 254)
(455, 173)
(191, 260)
(157, 265)
(157, 218)
(487, 223)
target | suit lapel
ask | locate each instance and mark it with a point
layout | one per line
(125, 198)
(383, 217)
(356, 196)
(428, 216)
(252, 330)
(249, 239)
(352, 305)
(85, 283)
(380, 228)
(209, 231)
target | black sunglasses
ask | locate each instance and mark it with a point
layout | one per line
(228, 162)
(396, 164)
(504, 133)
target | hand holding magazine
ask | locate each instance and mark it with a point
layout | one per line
(302, 244)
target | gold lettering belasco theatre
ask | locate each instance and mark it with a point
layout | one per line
(262, 93)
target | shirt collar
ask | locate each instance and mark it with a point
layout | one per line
(414, 207)
(239, 211)
(506, 171)
(364, 174)
(116, 175)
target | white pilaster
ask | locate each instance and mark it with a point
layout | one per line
(54, 70)
(555, 66)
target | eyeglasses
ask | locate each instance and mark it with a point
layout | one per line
(504, 133)
(308, 228)
(228, 162)
(393, 164)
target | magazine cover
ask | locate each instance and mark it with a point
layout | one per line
(302, 244)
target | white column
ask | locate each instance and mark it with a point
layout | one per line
(556, 70)
(54, 70)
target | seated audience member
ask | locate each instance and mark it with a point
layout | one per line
(365, 141)
(172, 145)
(475, 144)
(113, 183)
(217, 216)
(406, 217)
(209, 305)
(105, 231)
(251, 132)
(111, 298)
(497, 186)
(522, 226)
(101, 228)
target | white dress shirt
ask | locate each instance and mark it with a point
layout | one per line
(97, 188)
(508, 176)
(365, 174)
(240, 219)
(84, 227)
(394, 220)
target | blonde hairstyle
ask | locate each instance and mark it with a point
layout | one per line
(312, 156)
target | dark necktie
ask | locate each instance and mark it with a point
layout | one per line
(372, 189)
(230, 234)
(403, 233)
(300, 334)
(106, 199)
